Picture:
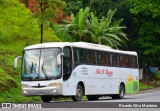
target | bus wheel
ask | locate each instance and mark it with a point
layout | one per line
(121, 93)
(46, 98)
(79, 93)
(92, 97)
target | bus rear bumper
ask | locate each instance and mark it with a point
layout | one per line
(42, 91)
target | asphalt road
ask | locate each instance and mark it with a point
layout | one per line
(144, 101)
(151, 95)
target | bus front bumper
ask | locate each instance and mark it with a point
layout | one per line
(42, 91)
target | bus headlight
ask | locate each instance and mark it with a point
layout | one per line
(54, 85)
(25, 86)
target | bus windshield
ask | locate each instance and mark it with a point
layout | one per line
(41, 64)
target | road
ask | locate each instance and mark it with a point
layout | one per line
(106, 103)
(151, 95)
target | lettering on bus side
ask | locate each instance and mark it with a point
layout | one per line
(84, 71)
(104, 71)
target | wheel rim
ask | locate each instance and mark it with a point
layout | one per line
(122, 92)
(79, 93)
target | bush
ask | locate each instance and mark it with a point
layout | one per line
(16, 22)
(157, 75)
(62, 35)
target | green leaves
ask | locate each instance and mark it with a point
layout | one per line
(147, 16)
(147, 7)
(16, 22)
(106, 30)
(45, 11)
(85, 26)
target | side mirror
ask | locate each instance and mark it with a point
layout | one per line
(59, 62)
(16, 61)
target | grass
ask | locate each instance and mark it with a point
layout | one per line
(10, 78)
(157, 75)
(143, 86)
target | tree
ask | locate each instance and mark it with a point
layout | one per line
(73, 6)
(105, 31)
(85, 26)
(146, 14)
(45, 10)
(77, 26)
(100, 9)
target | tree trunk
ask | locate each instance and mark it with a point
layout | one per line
(90, 5)
(41, 23)
(41, 32)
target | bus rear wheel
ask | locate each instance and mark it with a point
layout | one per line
(92, 97)
(121, 93)
(79, 93)
(46, 98)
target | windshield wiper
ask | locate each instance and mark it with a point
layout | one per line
(44, 71)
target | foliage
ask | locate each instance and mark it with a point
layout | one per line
(10, 78)
(16, 22)
(100, 9)
(77, 26)
(73, 6)
(147, 15)
(143, 86)
(62, 35)
(105, 30)
(85, 26)
(146, 7)
(18, 28)
(157, 75)
(46, 10)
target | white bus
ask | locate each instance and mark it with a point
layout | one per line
(77, 69)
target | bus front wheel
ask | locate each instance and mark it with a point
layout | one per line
(46, 98)
(79, 93)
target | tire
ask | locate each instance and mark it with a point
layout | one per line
(79, 93)
(46, 98)
(92, 97)
(121, 93)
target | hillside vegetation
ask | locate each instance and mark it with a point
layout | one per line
(18, 28)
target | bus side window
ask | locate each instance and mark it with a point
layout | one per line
(114, 59)
(124, 60)
(107, 59)
(91, 57)
(76, 56)
(67, 62)
(133, 61)
(82, 56)
(103, 58)
(79, 56)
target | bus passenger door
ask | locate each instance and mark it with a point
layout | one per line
(67, 70)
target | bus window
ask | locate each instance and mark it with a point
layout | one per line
(79, 56)
(103, 58)
(133, 61)
(91, 57)
(82, 56)
(124, 60)
(114, 59)
(67, 62)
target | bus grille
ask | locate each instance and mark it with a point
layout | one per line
(38, 86)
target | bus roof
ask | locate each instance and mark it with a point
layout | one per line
(79, 45)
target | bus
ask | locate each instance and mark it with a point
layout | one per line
(77, 69)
